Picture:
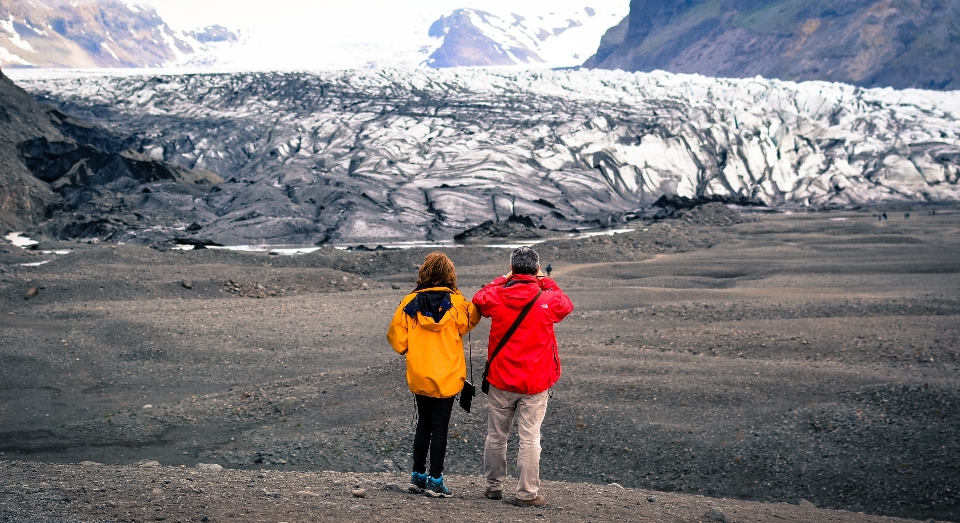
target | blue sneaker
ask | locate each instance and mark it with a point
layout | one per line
(418, 482)
(436, 488)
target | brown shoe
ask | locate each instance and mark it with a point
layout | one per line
(538, 501)
(493, 494)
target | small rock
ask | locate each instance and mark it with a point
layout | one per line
(112, 503)
(147, 406)
(359, 493)
(806, 504)
(716, 514)
(395, 286)
(308, 494)
(31, 293)
(651, 499)
(209, 466)
(204, 519)
(616, 485)
(386, 466)
(394, 487)
(187, 284)
(149, 463)
(157, 490)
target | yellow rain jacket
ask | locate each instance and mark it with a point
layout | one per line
(432, 339)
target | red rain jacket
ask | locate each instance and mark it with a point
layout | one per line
(529, 363)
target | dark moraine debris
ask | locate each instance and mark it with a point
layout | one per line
(711, 214)
(69, 179)
(515, 227)
(197, 243)
(670, 204)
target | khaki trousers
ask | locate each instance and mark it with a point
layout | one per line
(502, 407)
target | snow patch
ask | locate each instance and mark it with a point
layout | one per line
(7, 25)
(6, 57)
(107, 47)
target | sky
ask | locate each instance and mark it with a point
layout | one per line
(351, 33)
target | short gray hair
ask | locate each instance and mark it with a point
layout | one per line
(524, 260)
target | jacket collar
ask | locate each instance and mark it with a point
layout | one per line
(517, 279)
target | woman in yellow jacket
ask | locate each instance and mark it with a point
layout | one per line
(428, 328)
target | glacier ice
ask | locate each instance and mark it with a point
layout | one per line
(422, 154)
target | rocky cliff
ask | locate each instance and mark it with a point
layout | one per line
(871, 43)
(58, 170)
(102, 33)
(392, 155)
(23, 198)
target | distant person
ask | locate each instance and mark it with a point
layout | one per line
(906, 216)
(549, 269)
(522, 371)
(428, 328)
(884, 216)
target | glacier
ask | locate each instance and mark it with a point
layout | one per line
(422, 154)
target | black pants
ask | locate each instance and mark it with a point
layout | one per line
(433, 419)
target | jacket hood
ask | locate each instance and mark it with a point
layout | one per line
(519, 290)
(429, 307)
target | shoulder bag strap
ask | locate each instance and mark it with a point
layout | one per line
(510, 331)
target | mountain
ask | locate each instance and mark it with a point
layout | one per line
(105, 33)
(402, 155)
(470, 37)
(56, 169)
(870, 43)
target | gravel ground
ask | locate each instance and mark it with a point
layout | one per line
(91, 492)
(749, 357)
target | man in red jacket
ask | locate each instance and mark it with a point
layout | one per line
(522, 372)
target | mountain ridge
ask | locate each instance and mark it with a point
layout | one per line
(868, 43)
(107, 33)
(476, 38)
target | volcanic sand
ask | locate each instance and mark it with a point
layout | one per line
(788, 356)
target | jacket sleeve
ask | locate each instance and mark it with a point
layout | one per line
(560, 304)
(465, 315)
(397, 332)
(483, 299)
(473, 317)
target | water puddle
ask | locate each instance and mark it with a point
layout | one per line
(35, 264)
(292, 250)
(18, 239)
